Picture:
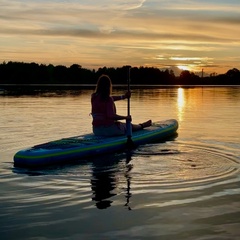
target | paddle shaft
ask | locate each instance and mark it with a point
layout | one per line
(128, 88)
(128, 123)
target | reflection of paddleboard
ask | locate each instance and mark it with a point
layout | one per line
(83, 146)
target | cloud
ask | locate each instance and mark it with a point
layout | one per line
(134, 31)
(116, 17)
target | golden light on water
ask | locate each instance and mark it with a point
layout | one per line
(180, 103)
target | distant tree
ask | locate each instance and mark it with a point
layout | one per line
(233, 76)
(50, 70)
(188, 78)
(60, 74)
(32, 73)
(74, 73)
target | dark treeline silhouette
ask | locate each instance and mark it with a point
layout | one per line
(19, 73)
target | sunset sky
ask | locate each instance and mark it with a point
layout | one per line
(188, 34)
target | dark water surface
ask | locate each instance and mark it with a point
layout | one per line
(184, 188)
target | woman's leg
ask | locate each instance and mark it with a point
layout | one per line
(137, 127)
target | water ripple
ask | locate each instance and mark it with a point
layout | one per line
(186, 163)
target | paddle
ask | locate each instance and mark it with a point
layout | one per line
(130, 144)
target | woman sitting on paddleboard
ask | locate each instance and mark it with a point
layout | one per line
(105, 118)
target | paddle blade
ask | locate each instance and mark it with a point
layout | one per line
(130, 144)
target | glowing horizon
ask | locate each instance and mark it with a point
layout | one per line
(175, 34)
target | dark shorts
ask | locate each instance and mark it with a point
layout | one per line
(116, 129)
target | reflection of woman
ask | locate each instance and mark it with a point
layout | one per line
(105, 178)
(105, 118)
(103, 184)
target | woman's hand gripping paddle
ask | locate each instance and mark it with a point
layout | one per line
(130, 144)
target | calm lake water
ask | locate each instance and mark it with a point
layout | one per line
(184, 188)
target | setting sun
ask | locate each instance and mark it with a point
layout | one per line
(183, 67)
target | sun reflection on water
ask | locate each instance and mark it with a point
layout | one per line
(180, 103)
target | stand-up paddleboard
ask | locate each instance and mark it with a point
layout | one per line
(88, 145)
